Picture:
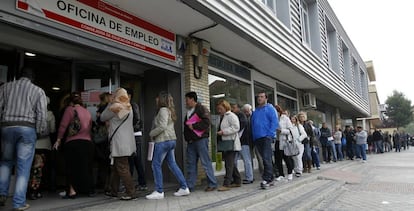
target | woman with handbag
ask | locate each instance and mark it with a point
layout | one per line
(284, 135)
(228, 142)
(78, 151)
(308, 142)
(163, 134)
(121, 142)
(300, 137)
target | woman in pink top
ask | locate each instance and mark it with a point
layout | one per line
(78, 149)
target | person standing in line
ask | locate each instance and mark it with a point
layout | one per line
(316, 144)
(247, 110)
(163, 134)
(23, 114)
(264, 122)
(307, 143)
(326, 143)
(122, 145)
(361, 142)
(378, 141)
(300, 136)
(338, 143)
(285, 133)
(396, 140)
(196, 133)
(245, 139)
(349, 135)
(136, 159)
(78, 150)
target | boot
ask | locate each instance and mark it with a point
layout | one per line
(309, 162)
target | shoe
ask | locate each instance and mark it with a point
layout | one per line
(92, 194)
(364, 161)
(32, 196)
(25, 207)
(298, 174)
(39, 195)
(155, 195)
(290, 176)
(111, 194)
(235, 185)
(208, 189)
(266, 184)
(279, 178)
(318, 168)
(142, 188)
(127, 198)
(67, 196)
(182, 192)
(3, 200)
(223, 188)
(247, 181)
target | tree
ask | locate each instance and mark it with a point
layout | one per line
(398, 109)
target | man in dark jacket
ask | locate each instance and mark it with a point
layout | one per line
(196, 133)
(350, 141)
(245, 139)
(326, 145)
(377, 138)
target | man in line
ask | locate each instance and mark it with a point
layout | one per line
(196, 133)
(245, 139)
(361, 142)
(23, 115)
(379, 145)
(264, 122)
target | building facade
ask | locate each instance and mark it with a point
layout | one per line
(295, 50)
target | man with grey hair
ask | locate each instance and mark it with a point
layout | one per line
(23, 115)
(247, 110)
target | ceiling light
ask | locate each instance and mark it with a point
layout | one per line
(29, 54)
(55, 88)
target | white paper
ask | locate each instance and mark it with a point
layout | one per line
(151, 146)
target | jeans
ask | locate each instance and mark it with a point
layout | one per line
(332, 146)
(199, 150)
(137, 162)
(379, 146)
(315, 156)
(248, 168)
(265, 150)
(361, 151)
(165, 150)
(307, 152)
(338, 148)
(17, 148)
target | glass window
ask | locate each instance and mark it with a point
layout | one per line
(288, 104)
(270, 92)
(271, 4)
(303, 7)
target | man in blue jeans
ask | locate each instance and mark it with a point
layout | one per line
(264, 122)
(23, 109)
(196, 133)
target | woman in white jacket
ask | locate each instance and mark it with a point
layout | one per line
(228, 131)
(299, 134)
(284, 134)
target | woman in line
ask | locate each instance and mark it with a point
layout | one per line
(163, 134)
(338, 143)
(284, 131)
(307, 142)
(122, 145)
(228, 133)
(78, 150)
(300, 136)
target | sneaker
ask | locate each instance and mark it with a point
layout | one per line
(298, 174)
(182, 192)
(127, 198)
(3, 200)
(155, 195)
(279, 178)
(25, 207)
(318, 168)
(266, 184)
(290, 176)
(364, 161)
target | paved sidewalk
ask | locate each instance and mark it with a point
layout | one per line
(385, 179)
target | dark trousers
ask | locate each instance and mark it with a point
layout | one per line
(264, 146)
(279, 156)
(120, 170)
(232, 173)
(350, 150)
(79, 165)
(137, 162)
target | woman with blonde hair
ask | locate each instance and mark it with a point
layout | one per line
(228, 138)
(308, 142)
(163, 134)
(300, 136)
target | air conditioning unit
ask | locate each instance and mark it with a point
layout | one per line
(309, 100)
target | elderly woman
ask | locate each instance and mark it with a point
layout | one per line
(121, 142)
(227, 134)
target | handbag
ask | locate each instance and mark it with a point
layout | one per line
(291, 148)
(99, 133)
(74, 125)
(225, 145)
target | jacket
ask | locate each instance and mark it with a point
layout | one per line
(337, 137)
(285, 134)
(123, 141)
(361, 137)
(264, 122)
(163, 126)
(299, 133)
(204, 124)
(244, 130)
(230, 126)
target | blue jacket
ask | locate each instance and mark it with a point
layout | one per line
(264, 122)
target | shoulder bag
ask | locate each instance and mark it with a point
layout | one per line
(291, 148)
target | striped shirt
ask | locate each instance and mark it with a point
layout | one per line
(23, 104)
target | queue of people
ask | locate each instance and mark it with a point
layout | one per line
(268, 133)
